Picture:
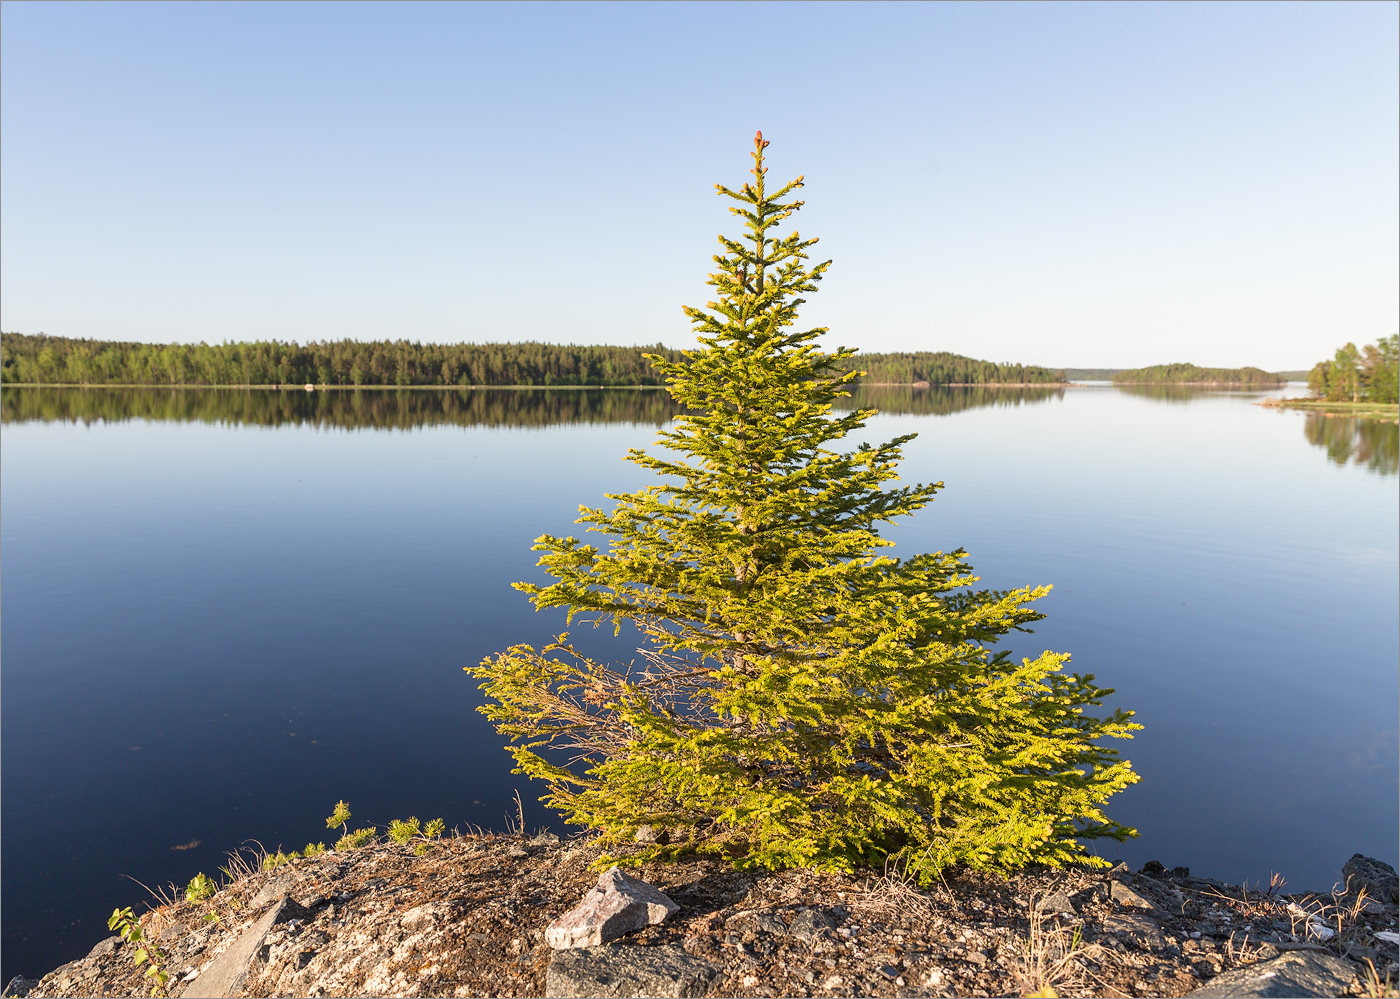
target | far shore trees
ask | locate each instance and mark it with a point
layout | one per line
(802, 698)
(52, 360)
(1371, 374)
(1189, 374)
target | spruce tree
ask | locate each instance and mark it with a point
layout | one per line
(802, 698)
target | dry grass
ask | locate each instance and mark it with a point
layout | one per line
(1049, 960)
(240, 867)
(1373, 986)
(896, 891)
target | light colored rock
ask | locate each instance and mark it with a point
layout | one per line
(421, 916)
(1122, 895)
(1057, 902)
(627, 971)
(274, 890)
(105, 947)
(618, 905)
(226, 974)
(1137, 930)
(1299, 974)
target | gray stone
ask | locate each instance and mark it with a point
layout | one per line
(1377, 877)
(1137, 930)
(1122, 895)
(104, 947)
(1299, 974)
(617, 906)
(812, 926)
(751, 922)
(225, 975)
(1058, 902)
(19, 987)
(627, 971)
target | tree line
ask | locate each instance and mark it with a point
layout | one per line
(1190, 374)
(943, 368)
(1371, 374)
(53, 360)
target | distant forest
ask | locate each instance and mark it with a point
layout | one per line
(1091, 374)
(52, 360)
(1189, 374)
(1107, 374)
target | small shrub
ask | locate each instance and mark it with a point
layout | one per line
(401, 831)
(124, 922)
(339, 817)
(313, 849)
(356, 839)
(275, 860)
(199, 888)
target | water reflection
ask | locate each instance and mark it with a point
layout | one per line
(942, 400)
(1169, 393)
(404, 409)
(1369, 442)
(398, 409)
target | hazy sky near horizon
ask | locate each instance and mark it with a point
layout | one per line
(1061, 184)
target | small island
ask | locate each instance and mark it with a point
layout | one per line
(1190, 374)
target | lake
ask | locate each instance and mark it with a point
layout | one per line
(224, 610)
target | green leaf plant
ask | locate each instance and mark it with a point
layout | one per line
(804, 698)
(124, 922)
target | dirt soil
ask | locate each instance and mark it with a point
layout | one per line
(467, 918)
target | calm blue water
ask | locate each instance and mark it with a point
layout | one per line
(214, 628)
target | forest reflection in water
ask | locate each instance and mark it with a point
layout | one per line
(404, 409)
(1363, 440)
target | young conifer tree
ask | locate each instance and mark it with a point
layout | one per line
(803, 699)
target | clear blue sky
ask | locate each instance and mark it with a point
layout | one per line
(1066, 184)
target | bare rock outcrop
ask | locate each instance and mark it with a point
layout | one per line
(469, 917)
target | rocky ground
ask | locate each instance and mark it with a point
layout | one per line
(467, 918)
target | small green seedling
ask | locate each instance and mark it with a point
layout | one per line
(340, 817)
(199, 888)
(275, 860)
(124, 922)
(356, 839)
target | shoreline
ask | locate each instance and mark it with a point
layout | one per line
(1383, 410)
(465, 916)
(1257, 386)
